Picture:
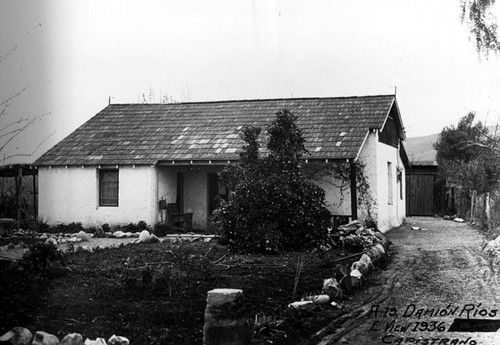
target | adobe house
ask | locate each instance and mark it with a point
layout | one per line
(117, 166)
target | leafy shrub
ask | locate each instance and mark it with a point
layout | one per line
(41, 254)
(160, 229)
(272, 207)
(105, 227)
(74, 227)
(142, 225)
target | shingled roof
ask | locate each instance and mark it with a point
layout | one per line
(334, 128)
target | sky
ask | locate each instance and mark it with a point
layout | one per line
(71, 57)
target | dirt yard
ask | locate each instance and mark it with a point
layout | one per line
(435, 278)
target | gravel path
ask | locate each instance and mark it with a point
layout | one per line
(436, 277)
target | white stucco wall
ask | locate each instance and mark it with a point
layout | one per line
(71, 194)
(390, 215)
(337, 194)
(368, 206)
(375, 156)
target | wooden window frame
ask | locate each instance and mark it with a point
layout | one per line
(390, 181)
(107, 186)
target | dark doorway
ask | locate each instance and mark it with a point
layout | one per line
(179, 198)
(216, 192)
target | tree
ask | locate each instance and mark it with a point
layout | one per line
(464, 157)
(272, 206)
(477, 14)
(11, 124)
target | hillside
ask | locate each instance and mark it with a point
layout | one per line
(420, 150)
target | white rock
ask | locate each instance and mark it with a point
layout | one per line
(318, 299)
(117, 340)
(361, 267)
(51, 240)
(374, 255)
(356, 278)
(17, 336)
(380, 248)
(98, 341)
(83, 235)
(44, 338)
(144, 237)
(87, 249)
(459, 220)
(302, 305)
(72, 339)
(119, 234)
(332, 288)
(367, 261)
(336, 305)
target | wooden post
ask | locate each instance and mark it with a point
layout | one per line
(354, 195)
(35, 206)
(19, 186)
(487, 210)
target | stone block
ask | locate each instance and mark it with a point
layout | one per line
(72, 339)
(44, 338)
(17, 336)
(225, 322)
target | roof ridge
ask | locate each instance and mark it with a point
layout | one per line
(255, 100)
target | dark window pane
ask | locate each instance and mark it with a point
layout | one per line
(108, 187)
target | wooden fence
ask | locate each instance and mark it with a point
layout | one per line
(485, 209)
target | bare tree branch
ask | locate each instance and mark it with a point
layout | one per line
(16, 132)
(33, 152)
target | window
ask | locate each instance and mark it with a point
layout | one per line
(389, 184)
(108, 187)
(400, 180)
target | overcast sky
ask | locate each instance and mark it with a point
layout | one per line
(74, 55)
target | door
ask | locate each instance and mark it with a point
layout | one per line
(216, 192)
(420, 194)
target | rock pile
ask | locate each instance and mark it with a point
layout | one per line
(374, 246)
(23, 336)
(490, 266)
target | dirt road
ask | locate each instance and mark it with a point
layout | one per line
(435, 278)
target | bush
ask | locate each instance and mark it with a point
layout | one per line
(74, 227)
(142, 225)
(272, 207)
(41, 254)
(160, 229)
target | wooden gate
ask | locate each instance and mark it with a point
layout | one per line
(420, 194)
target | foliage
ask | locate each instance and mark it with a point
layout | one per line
(41, 254)
(463, 160)
(160, 229)
(141, 225)
(105, 227)
(272, 206)
(481, 23)
(340, 171)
